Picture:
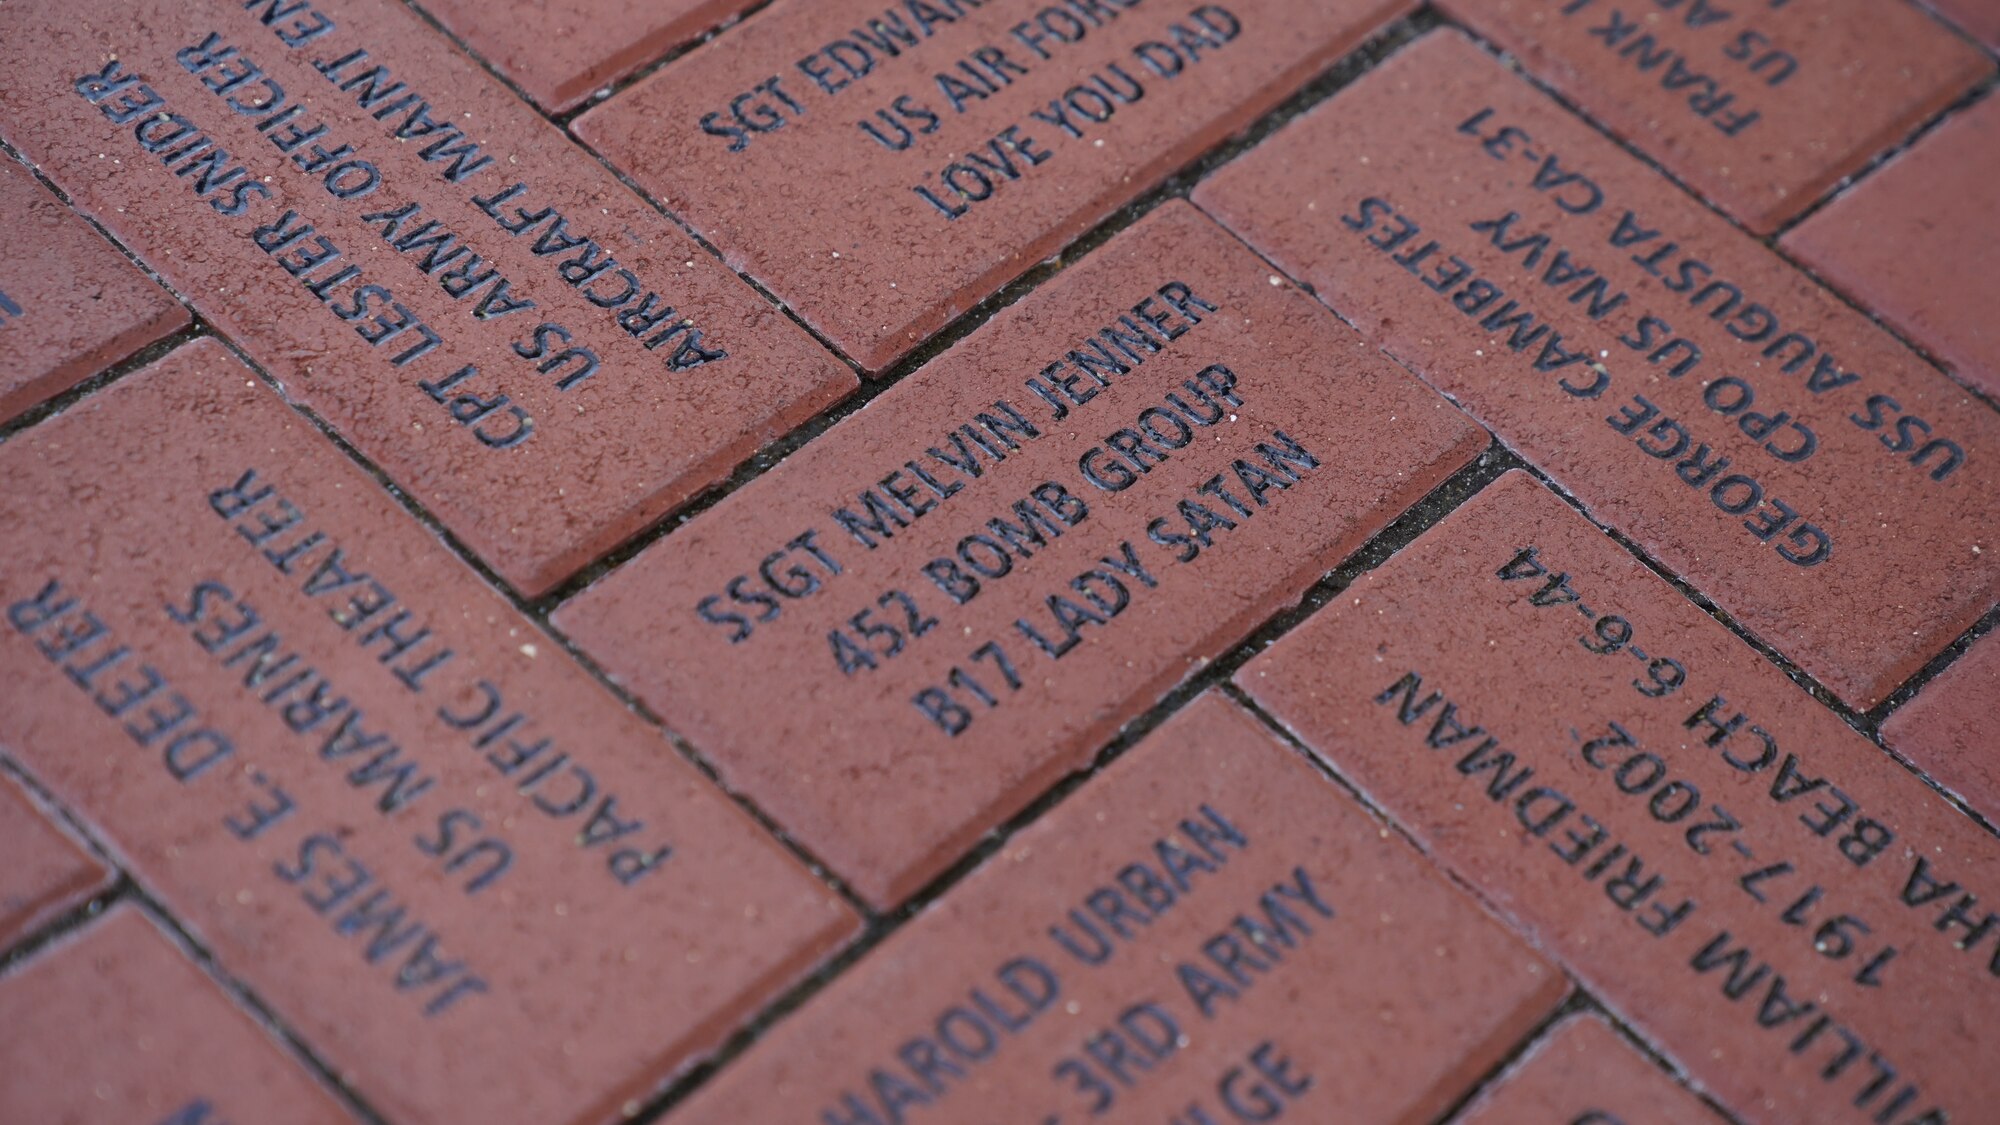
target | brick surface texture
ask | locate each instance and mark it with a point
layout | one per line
(950, 562)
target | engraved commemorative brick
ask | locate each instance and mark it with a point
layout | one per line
(962, 590)
(559, 51)
(520, 342)
(909, 157)
(1209, 933)
(1583, 1073)
(1821, 483)
(463, 873)
(1803, 926)
(1759, 105)
(1915, 241)
(1948, 729)
(115, 1024)
(70, 303)
(43, 872)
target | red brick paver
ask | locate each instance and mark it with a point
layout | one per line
(998, 562)
(1978, 18)
(1582, 1073)
(969, 585)
(1915, 243)
(559, 51)
(395, 808)
(70, 303)
(1948, 729)
(521, 343)
(1825, 486)
(906, 168)
(1756, 887)
(43, 872)
(1165, 946)
(114, 1024)
(1760, 106)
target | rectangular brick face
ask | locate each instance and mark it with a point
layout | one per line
(965, 588)
(1172, 942)
(115, 1024)
(455, 866)
(559, 51)
(70, 303)
(1803, 925)
(1947, 730)
(519, 341)
(1979, 18)
(1912, 243)
(1822, 484)
(1759, 105)
(1583, 1073)
(910, 158)
(44, 872)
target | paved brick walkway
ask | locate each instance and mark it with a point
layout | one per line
(873, 563)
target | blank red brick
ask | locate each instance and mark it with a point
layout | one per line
(521, 343)
(1759, 107)
(1914, 243)
(70, 303)
(1825, 486)
(1207, 932)
(1949, 729)
(43, 872)
(1978, 18)
(926, 586)
(114, 1024)
(1804, 927)
(560, 51)
(463, 873)
(1584, 1073)
(880, 166)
